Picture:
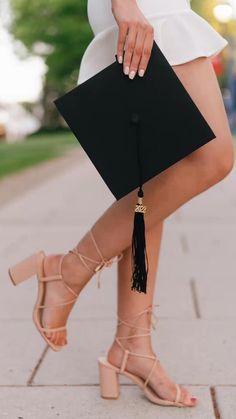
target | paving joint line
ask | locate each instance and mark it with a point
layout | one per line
(37, 366)
(184, 243)
(194, 297)
(84, 385)
(214, 402)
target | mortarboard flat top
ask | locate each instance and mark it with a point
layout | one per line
(132, 130)
(99, 110)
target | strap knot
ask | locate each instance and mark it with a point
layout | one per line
(106, 263)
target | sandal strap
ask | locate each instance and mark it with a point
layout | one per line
(101, 263)
(127, 352)
(149, 309)
(70, 289)
(64, 303)
(62, 279)
(150, 373)
(178, 392)
(50, 278)
(55, 329)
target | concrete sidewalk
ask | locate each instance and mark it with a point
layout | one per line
(195, 336)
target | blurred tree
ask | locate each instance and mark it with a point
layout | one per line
(205, 9)
(58, 31)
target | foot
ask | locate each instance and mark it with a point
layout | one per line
(159, 380)
(75, 276)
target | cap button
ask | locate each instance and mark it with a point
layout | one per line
(134, 118)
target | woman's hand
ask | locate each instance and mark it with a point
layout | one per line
(135, 37)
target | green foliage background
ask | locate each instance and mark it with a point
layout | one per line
(63, 26)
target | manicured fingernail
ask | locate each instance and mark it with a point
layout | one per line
(126, 70)
(141, 73)
(193, 399)
(132, 74)
(120, 59)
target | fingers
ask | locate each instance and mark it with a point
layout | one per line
(146, 52)
(129, 47)
(137, 53)
(123, 30)
(137, 41)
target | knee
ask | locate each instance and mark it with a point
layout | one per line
(215, 163)
(224, 163)
(227, 163)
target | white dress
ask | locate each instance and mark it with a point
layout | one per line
(180, 33)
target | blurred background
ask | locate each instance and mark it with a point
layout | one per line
(35, 38)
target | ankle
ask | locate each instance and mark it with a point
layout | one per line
(116, 352)
(139, 344)
(88, 254)
(73, 270)
(135, 336)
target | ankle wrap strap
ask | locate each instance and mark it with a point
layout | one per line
(127, 352)
(101, 263)
(149, 309)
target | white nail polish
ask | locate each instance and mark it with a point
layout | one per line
(132, 74)
(120, 59)
(126, 70)
(141, 73)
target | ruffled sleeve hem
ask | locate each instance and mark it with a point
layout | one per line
(181, 37)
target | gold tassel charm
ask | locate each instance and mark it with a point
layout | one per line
(139, 206)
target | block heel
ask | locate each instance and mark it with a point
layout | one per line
(24, 269)
(109, 380)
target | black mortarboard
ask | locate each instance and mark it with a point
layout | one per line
(132, 130)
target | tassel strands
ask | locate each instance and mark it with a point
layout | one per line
(139, 253)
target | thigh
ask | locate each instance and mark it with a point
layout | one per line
(199, 79)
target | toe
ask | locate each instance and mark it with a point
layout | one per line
(64, 341)
(60, 339)
(193, 400)
(49, 335)
(186, 397)
(53, 337)
(57, 338)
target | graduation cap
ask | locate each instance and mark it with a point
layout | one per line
(132, 130)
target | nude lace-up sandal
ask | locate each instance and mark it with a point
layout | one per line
(34, 265)
(109, 374)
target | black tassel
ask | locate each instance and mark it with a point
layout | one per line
(139, 253)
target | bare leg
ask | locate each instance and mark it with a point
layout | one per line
(163, 194)
(129, 304)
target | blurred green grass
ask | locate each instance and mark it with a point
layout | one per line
(35, 149)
